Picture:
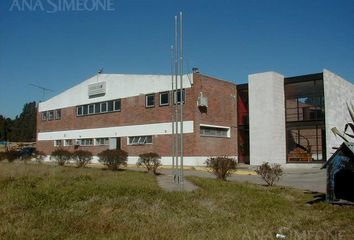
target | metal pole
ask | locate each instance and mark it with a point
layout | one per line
(172, 113)
(175, 99)
(181, 92)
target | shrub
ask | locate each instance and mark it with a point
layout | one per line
(270, 173)
(12, 155)
(221, 167)
(39, 156)
(82, 157)
(61, 156)
(151, 161)
(2, 156)
(113, 159)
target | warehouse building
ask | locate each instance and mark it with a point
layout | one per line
(285, 120)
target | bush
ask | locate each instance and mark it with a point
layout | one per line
(113, 159)
(270, 173)
(222, 167)
(61, 156)
(151, 161)
(82, 157)
(2, 156)
(39, 156)
(12, 155)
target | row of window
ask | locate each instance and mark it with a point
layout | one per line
(97, 108)
(135, 140)
(82, 142)
(51, 115)
(164, 98)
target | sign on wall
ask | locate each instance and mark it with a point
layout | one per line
(97, 89)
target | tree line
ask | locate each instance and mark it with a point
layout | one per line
(22, 128)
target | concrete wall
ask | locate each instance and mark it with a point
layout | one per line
(337, 92)
(267, 118)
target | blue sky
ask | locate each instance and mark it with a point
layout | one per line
(226, 39)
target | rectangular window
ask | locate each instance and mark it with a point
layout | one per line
(117, 105)
(214, 131)
(84, 110)
(57, 114)
(68, 142)
(91, 109)
(102, 141)
(79, 111)
(164, 99)
(86, 142)
(58, 143)
(110, 106)
(44, 116)
(140, 140)
(177, 96)
(103, 107)
(150, 100)
(50, 115)
(97, 108)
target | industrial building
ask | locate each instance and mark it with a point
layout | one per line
(276, 119)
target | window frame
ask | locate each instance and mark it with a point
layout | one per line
(215, 127)
(168, 99)
(44, 116)
(147, 100)
(139, 142)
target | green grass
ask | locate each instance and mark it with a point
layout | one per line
(50, 202)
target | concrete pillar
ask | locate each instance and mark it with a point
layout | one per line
(267, 118)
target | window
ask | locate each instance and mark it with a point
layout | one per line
(177, 97)
(140, 140)
(91, 109)
(44, 116)
(102, 141)
(50, 115)
(86, 142)
(68, 142)
(110, 106)
(210, 131)
(150, 100)
(84, 110)
(57, 114)
(104, 107)
(164, 99)
(58, 143)
(97, 108)
(79, 111)
(117, 105)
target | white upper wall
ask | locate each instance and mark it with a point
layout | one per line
(117, 86)
(267, 118)
(337, 93)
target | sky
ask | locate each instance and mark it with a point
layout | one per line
(44, 44)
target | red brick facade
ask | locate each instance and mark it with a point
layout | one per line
(221, 111)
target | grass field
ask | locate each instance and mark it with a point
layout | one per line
(50, 202)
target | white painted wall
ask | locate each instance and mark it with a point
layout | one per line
(267, 118)
(337, 93)
(117, 86)
(122, 131)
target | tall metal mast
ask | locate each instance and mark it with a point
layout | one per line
(173, 140)
(177, 175)
(181, 93)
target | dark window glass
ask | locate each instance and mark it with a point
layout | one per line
(150, 100)
(104, 107)
(213, 131)
(50, 115)
(178, 96)
(110, 106)
(44, 116)
(97, 108)
(117, 105)
(91, 109)
(164, 99)
(79, 110)
(85, 109)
